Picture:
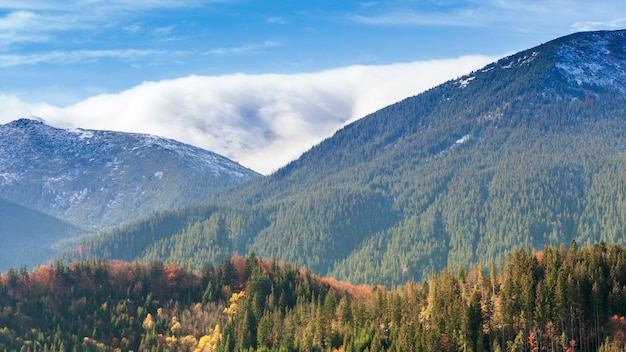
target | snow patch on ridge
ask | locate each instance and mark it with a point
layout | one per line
(465, 81)
(463, 139)
(595, 59)
(8, 178)
(82, 134)
(456, 143)
(514, 61)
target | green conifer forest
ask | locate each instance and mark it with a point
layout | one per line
(558, 299)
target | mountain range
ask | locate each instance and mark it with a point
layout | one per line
(527, 151)
(88, 180)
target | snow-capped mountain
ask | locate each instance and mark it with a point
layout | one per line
(97, 179)
(596, 59)
(591, 61)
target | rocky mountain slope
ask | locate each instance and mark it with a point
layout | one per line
(527, 151)
(102, 178)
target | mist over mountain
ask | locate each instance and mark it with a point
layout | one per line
(262, 121)
(527, 151)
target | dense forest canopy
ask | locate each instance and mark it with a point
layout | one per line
(559, 299)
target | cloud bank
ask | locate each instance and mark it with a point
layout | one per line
(261, 121)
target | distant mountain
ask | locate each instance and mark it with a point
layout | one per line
(527, 151)
(27, 236)
(95, 180)
(100, 179)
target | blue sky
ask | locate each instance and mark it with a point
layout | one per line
(262, 61)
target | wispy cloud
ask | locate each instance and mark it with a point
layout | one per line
(38, 5)
(409, 17)
(133, 28)
(244, 49)
(72, 57)
(518, 14)
(167, 30)
(596, 25)
(27, 26)
(100, 5)
(37, 21)
(261, 121)
(18, 20)
(275, 20)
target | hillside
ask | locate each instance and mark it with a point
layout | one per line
(99, 179)
(28, 236)
(559, 299)
(527, 151)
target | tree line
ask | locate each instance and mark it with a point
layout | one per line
(558, 299)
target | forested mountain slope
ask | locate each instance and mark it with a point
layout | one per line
(526, 151)
(559, 299)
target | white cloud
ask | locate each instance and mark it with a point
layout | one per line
(275, 20)
(409, 17)
(617, 23)
(261, 121)
(72, 57)
(133, 28)
(521, 15)
(18, 19)
(38, 21)
(244, 49)
(100, 5)
(28, 26)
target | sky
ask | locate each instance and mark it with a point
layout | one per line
(259, 81)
